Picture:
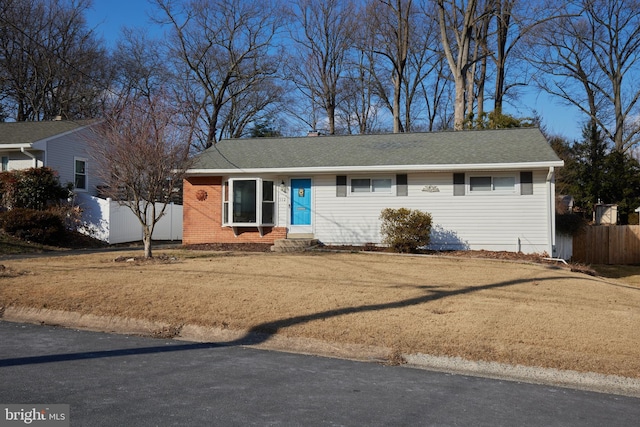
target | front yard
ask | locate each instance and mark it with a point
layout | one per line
(517, 313)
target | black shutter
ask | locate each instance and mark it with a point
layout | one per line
(526, 183)
(341, 186)
(458, 184)
(401, 185)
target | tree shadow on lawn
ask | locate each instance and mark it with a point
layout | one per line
(263, 332)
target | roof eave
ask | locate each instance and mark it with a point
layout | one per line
(379, 168)
(14, 146)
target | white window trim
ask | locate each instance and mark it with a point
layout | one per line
(371, 193)
(493, 191)
(86, 174)
(228, 204)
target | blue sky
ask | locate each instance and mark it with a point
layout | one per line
(108, 17)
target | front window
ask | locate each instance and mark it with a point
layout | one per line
(80, 171)
(248, 202)
(244, 201)
(499, 184)
(371, 185)
(381, 185)
(360, 185)
(480, 183)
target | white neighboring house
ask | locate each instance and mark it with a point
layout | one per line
(488, 189)
(63, 146)
(60, 145)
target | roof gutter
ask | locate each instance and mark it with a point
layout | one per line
(18, 146)
(380, 168)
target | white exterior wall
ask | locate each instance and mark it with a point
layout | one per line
(61, 152)
(490, 221)
(20, 161)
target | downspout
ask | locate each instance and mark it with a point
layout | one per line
(33, 157)
(551, 211)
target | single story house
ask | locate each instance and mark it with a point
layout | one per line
(59, 144)
(486, 189)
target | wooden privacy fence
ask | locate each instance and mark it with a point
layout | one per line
(607, 244)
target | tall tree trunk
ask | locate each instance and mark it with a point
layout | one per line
(503, 19)
(457, 51)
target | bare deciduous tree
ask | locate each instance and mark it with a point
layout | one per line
(141, 65)
(360, 107)
(457, 20)
(221, 49)
(140, 156)
(322, 31)
(390, 25)
(51, 64)
(589, 59)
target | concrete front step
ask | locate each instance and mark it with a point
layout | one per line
(293, 245)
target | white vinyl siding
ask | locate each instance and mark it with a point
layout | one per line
(495, 221)
(61, 153)
(17, 160)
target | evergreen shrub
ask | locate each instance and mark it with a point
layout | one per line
(405, 230)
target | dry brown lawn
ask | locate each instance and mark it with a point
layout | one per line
(508, 312)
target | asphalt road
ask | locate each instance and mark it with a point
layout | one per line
(117, 380)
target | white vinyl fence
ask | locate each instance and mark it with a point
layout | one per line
(106, 220)
(564, 246)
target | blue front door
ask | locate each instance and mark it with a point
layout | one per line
(301, 201)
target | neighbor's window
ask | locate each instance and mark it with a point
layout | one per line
(371, 185)
(80, 171)
(248, 202)
(504, 184)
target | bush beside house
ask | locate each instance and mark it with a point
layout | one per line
(32, 205)
(405, 230)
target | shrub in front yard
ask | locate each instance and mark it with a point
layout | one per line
(32, 225)
(34, 188)
(405, 230)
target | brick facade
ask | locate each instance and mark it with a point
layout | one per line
(202, 216)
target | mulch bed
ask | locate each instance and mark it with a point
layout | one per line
(231, 247)
(266, 247)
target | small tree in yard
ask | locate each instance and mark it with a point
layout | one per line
(405, 230)
(141, 156)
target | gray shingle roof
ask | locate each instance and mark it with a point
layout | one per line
(30, 132)
(503, 146)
